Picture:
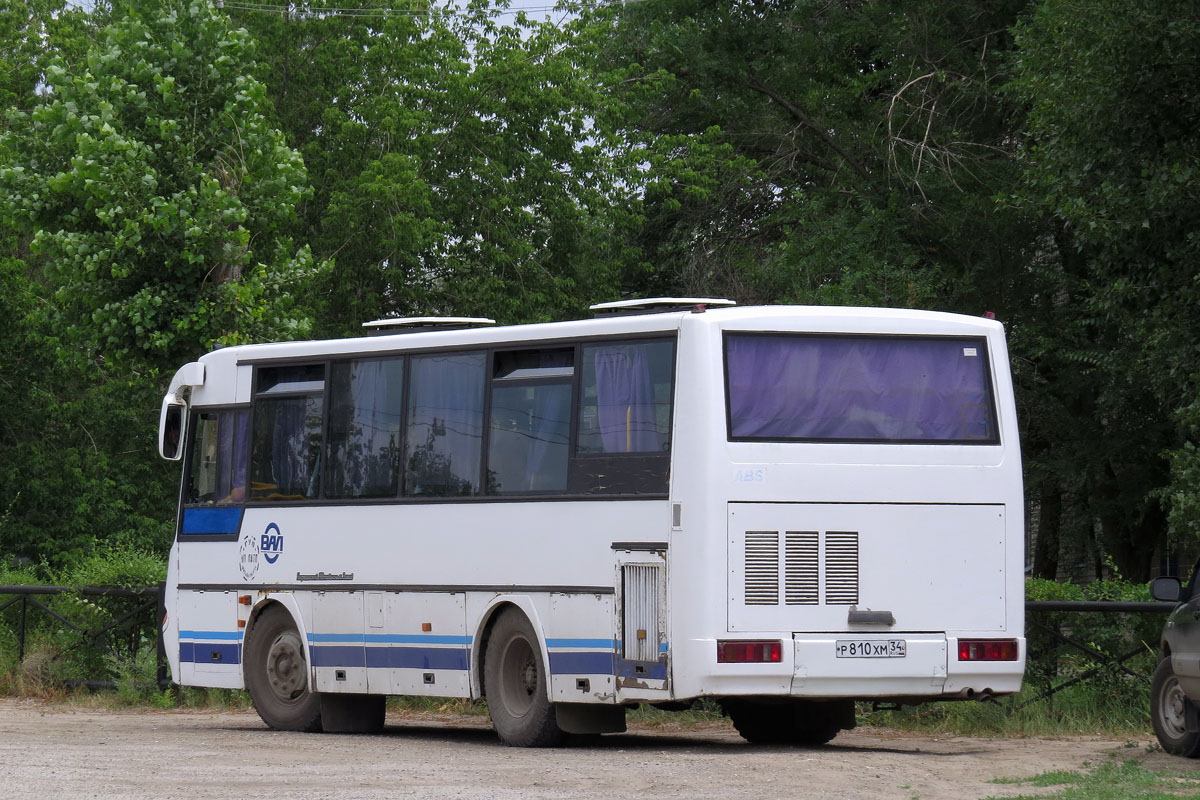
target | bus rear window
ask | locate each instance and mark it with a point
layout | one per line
(890, 389)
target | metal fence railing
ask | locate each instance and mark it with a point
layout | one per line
(1038, 625)
(139, 610)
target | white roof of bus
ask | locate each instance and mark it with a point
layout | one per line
(830, 319)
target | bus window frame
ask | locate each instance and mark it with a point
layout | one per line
(186, 481)
(984, 353)
(649, 480)
(402, 441)
(578, 408)
(492, 383)
(270, 394)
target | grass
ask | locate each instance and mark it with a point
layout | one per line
(1080, 710)
(1129, 779)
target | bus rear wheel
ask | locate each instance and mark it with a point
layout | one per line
(796, 722)
(276, 674)
(516, 684)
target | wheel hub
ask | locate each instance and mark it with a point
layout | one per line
(286, 667)
(520, 678)
(1174, 708)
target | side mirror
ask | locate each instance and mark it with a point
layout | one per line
(170, 429)
(1167, 589)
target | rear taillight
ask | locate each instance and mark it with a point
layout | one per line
(987, 650)
(741, 652)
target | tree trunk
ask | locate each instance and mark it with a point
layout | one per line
(1046, 544)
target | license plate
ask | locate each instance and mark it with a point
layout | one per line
(870, 648)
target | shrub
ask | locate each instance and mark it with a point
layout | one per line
(54, 647)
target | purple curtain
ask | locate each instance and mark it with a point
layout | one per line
(859, 387)
(625, 399)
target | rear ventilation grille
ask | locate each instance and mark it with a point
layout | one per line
(841, 568)
(802, 568)
(807, 556)
(640, 588)
(762, 568)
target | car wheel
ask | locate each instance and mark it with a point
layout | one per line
(1169, 712)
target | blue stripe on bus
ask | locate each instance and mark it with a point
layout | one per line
(417, 658)
(234, 635)
(202, 653)
(338, 656)
(577, 663)
(211, 520)
(582, 663)
(389, 657)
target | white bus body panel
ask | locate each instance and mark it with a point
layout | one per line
(390, 604)
(940, 535)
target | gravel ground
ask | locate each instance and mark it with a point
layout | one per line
(58, 750)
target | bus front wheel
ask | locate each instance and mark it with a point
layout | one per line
(516, 684)
(276, 674)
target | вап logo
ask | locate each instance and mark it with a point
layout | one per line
(271, 543)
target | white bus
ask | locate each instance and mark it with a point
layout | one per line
(785, 509)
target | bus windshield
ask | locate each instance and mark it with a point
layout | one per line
(860, 388)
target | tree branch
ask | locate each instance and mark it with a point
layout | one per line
(808, 122)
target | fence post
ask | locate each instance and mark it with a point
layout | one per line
(21, 631)
(161, 674)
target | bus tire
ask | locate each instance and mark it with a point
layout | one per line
(1170, 713)
(276, 674)
(516, 684)
(808, 724)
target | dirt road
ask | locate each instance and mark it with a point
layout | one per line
(51, 751)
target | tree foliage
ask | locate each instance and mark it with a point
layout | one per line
(1113, 165)
(167, 168)
(154, 192)
(144, 204)
(817, 152)
(450, 159)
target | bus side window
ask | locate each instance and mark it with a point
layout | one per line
(218, 466)
(625, 405)
(366, 399)
(288, 409)
(444, 450)
(530, 427)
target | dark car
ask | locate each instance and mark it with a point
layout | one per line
(1175, 691)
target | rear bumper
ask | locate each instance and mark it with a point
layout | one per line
(810, 667)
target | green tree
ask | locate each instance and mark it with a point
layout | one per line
(144, 215)
(1113, 163)
(450, 159)
(817, 152)
(154, 193)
